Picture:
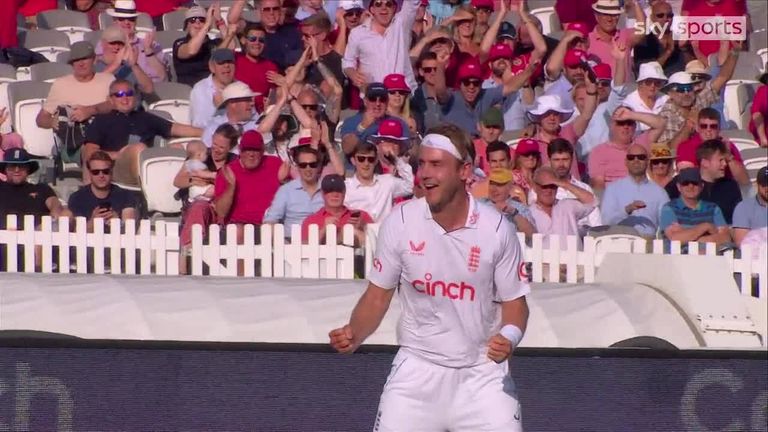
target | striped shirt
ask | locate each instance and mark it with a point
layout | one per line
(676, 212)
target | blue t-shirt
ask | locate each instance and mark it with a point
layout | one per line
(676, 211)
(457, 111)
(750, 214)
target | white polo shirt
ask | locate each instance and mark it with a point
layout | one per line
(376, 199)
(450, 283)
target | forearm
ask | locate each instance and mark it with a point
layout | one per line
(721, 237)
(341, 39)
(336, 162)
(738, 235)
(652, 120)
(679, 137)
(490, 36)
(369, 312)
(739, 172)
(301, 115)
(515, 312)
(101, 108)
(223, 204)
(524, 225)
(583, 195)
(537, 39)
(157, 66)
(688, 234)
(44, 119)
(349, 142)
(235, 11)
(182, 130)
(266, 124)
(144, 82)
(191, 48)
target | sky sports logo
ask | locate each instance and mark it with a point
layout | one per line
(698, 28)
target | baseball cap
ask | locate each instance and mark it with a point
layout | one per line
(603, 71)
(113, 33)
(376, 89)
(195, 12)
(500, 51)
(80, 50)
(500, 175)
(252, 140)
(762, 176)
(579, 27)
(482, 4)
(391, 130)
(493, 117)
(333, 183)
(396, 82)
(470, 69)
(527, 146)
(689, 175)
(575, 58)
(507, 30)
(223, 55)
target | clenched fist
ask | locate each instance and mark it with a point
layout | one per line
(342, 340)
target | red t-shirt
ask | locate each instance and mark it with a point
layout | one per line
(254, 73)
(254, 190)
(759, 105)
(704, 9)
(8, 11)
(319, 220)
(156, 8)
(569, 11)
(33, 7)
(686, 152)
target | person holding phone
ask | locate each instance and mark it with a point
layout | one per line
(334, 212)
(101, 199)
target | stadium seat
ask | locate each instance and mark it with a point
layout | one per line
(26, 98)
(174, 21)
(159, 167)
(748, 66)
(744, 94)
(251, 16)
(47, 42)
(74, 24)
(173, 98)
(93, 37)
(49, 71)
(549, 19)
(754, 159)
(7, 76)
(166, 39)
(732, 108)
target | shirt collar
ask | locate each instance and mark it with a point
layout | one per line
(473, 215)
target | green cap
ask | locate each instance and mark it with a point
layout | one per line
(492, 117)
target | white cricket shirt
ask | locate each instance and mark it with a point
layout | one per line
(450, 283)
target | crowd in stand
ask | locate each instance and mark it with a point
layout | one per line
(611, 127)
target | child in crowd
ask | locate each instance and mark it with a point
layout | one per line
(197, 154)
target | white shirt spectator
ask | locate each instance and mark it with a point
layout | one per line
(566, 214)
(378, 55)
(593, 219)
(450, 284)
(201, 109)
(376, 199)
(634, 102)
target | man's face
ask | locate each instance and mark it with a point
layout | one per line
(123, 98)
(309, 167)
(561, 164)
(604, 89)
(17, 173)
(499, 192)
(546, 194)
(314, 4)
(427, 71)
(499, 159)
(280, 130)
(219, 147)
(661, 13)
(623, 131)
(574, 74)
(223, 72)
(762, 191)
(364, 163)
(524, 36)
(251, 158)
(489, 134)
(690, 190)
(353, 18)
(650, 87)
(607, 23)
(637, 160)
(499, 66)
(470, 89)
(715, 165)
(101, 174)
(308, 101)
(195, 25)
(382, 11)
(708, 129)
(270, 13)
(333, 200)
(441, 176)
(127, 25)
(111, 49)
(83, 67)
(683, 96)
(254, 43)
(240, 109)
(550, 122)
(311, 32)
(376, 105)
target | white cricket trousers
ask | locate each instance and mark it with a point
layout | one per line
(420, 396)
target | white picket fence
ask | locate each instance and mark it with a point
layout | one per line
(144, 248)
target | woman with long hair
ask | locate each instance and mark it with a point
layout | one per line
(527, 160)
(398, 101)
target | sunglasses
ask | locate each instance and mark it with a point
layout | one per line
(661, 162)
(399, 92)
(106, 171)
(699, 77)
(688, 88)
(271, 9)
(625, 123)
(199, 20)
(260, 39)
(663, 15)
(547, 186)
(310, 107)
(471, 82)
(429, 69)
(123, 93)
(305, 165)
(131, 19)
(640, 157)
(117, 43)
(604, 83)
(653, 83)
(369, 159)
(389, 4)
(711, 126)
(484, 9)
(690, 183)
(353, 12)
(529, 154)
(377, 99)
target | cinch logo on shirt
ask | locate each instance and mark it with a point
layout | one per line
(452, 290)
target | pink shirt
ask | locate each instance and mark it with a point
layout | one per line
(601, 48)
(564, 220)
(608, 160)
(566, 132)
(759, 105)
(319, 220)
(254, 190)
(686, 152)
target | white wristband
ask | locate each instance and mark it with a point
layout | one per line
(512, 333)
